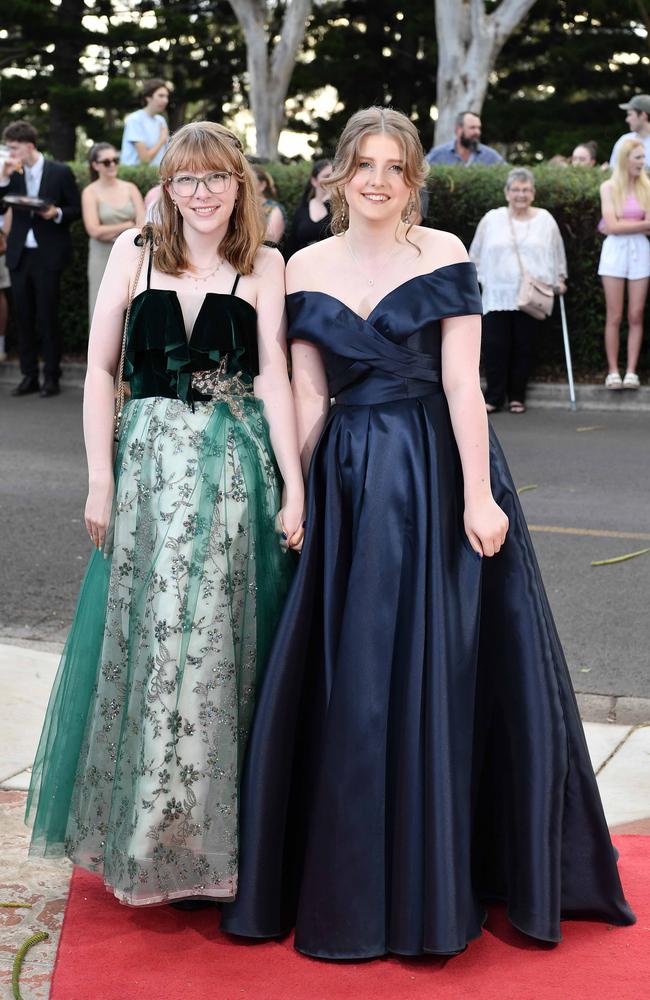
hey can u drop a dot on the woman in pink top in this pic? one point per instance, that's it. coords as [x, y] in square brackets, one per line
[625, 258]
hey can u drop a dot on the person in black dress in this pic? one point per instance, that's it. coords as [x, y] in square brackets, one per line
[312, 218]
[416, 749]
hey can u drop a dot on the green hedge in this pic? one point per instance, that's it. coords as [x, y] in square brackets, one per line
[458, 199]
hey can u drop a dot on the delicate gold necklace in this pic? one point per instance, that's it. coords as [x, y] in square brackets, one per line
[370, 280]
[202, 278]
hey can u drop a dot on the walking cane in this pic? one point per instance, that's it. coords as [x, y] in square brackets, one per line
[567, 355]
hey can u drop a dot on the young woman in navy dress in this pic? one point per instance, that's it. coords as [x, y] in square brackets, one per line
[416, 749]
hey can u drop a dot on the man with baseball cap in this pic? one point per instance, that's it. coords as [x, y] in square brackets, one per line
[638, 118]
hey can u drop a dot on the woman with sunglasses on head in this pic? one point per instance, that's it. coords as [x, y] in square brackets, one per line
[416, 749]
[137, 772]
[109, 206]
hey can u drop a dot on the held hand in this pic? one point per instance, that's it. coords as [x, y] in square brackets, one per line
[48, 213]
[290, 523]
[486, 526]
[560, 288]
[98, 511]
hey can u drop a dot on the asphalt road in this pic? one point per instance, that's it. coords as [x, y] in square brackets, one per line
[591, 473]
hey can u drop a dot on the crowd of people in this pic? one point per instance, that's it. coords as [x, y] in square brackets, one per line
[510, 244]
[323, 743]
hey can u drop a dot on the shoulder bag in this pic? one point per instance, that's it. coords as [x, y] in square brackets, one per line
[535, 297]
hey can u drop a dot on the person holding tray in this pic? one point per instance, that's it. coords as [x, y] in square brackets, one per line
[45, 200]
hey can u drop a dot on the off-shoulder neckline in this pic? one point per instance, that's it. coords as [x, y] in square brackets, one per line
[397, 288]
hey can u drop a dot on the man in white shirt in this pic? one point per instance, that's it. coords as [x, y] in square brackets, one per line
[146, 134]
[38, 249]
[638, 118]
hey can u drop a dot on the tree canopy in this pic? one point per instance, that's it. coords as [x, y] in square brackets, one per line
[558, 79]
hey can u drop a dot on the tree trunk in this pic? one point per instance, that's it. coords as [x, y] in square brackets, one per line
[270, 68]
[65, 89]
[469, 43]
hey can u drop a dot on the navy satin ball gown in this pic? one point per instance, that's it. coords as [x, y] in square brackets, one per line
[416, 749]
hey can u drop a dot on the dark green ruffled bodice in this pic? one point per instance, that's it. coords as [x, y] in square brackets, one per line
[159, 357]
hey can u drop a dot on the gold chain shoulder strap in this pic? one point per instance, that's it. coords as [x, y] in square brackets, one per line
[119, 377]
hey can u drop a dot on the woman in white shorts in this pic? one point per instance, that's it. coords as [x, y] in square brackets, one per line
[625, 258]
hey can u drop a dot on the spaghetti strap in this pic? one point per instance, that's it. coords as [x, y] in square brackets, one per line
[149, 264]
[234, 287]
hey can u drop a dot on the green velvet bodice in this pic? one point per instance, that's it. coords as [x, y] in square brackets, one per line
[160, 358]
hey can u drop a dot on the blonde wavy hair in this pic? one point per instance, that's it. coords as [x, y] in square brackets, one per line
[621, 180]
[203, 147]
[374, 121]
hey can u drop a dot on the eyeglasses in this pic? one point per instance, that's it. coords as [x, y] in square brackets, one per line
[112, 161]
[186, 185]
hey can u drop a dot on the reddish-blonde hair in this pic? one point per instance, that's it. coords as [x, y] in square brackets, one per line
[374, 121]
[202, 147]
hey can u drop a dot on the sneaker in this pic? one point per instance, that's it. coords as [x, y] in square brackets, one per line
[613, 381]
[631, 381]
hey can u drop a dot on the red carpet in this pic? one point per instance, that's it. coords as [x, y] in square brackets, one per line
[112, 952]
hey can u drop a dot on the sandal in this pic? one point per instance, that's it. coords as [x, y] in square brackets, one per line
[489, 408]
[613, 381]
[631, 381]
[516, 407]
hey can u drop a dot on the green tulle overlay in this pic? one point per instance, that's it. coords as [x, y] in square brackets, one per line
[137, 771]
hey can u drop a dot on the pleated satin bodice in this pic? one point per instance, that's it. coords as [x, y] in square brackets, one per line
[160, 358]
[395, 352]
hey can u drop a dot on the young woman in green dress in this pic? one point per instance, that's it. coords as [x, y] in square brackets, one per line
[136, 776]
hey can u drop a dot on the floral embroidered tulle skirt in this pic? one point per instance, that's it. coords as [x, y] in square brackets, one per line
[137, 771]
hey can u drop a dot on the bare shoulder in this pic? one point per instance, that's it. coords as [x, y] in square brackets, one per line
[606, 186]
[310, 262]
[269, 264]
[439, 247]
[90, 191]
[125, 248]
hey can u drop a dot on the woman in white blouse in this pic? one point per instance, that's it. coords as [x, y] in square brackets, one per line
[508, 333]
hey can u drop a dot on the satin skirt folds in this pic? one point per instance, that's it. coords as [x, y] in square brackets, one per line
[138, 767]
[416, 749]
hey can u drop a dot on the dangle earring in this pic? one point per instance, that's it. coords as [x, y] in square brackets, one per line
[176, 214]
[408, 212]
[345, 218]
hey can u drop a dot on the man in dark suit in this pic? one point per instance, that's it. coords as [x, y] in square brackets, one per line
[38, 248]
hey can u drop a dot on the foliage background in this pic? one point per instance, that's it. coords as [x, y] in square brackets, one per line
[458, 198]
[74, 65]
[74, 68]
